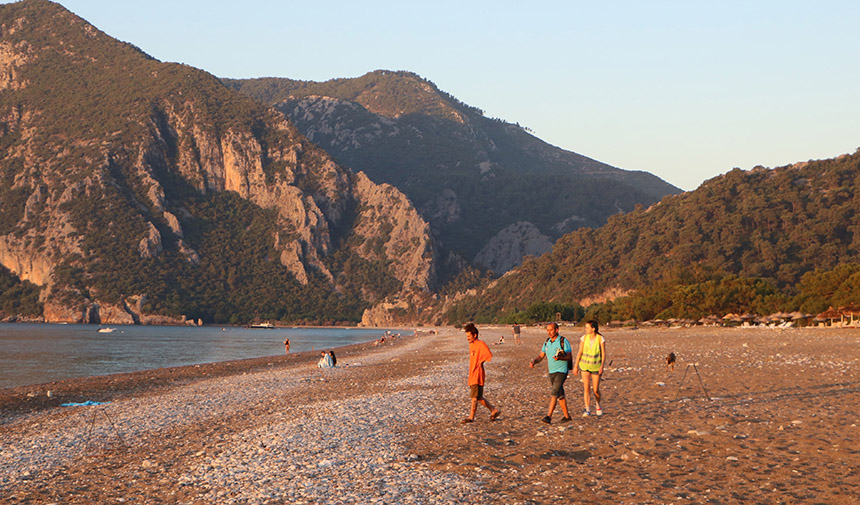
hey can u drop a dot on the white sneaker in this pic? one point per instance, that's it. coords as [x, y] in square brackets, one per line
[586, 413]
[599, 411]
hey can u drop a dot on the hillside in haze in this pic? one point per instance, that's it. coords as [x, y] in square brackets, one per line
[139, 191]
[765, 230]
[492, 192]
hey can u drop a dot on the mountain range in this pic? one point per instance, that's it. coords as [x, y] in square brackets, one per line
[491, 191]
[137, 191]
[140, 191]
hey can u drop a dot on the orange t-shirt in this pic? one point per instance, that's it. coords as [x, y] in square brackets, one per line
[478, 354]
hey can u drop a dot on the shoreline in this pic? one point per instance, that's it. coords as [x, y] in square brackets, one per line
[769, 428]
[32, 398]
[130, 359]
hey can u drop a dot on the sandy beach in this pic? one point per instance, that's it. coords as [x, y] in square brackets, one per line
[774, 419]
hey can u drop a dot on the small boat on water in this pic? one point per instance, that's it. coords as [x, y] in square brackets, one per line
[106, 330]
[264, 326]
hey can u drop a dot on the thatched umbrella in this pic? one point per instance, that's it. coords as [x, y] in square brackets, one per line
[829, 314]
[850, 311]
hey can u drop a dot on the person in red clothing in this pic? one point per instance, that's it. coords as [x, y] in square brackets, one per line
[479, 353]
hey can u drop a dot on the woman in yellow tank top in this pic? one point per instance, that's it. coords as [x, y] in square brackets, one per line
[589, 360]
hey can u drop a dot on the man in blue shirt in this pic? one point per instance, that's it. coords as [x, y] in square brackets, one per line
[558, 352]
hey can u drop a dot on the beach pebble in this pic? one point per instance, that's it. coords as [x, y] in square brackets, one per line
[298, 456]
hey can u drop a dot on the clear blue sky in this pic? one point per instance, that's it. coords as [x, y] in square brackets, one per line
[683, 89]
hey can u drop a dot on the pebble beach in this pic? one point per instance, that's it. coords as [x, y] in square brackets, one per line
[748, 415]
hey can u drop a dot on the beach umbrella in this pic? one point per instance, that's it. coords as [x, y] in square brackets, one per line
[829, 314]
[850, 310]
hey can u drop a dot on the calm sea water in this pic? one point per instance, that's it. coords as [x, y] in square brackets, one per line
[39, 353]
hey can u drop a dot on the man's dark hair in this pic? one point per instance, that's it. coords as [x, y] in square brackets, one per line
[470, 328]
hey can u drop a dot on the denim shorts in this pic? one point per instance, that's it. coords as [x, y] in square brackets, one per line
[556, 381]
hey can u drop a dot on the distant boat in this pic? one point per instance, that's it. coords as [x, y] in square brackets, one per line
[106, 330]
[265, 326]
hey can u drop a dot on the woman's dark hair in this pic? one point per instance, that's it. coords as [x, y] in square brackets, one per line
[594, 325]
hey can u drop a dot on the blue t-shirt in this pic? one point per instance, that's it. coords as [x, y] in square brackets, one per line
[550, 348]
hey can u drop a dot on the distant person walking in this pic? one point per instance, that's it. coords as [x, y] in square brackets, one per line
[589, 360]
[558, 365]
[517, 334]
[479, 353]
[287, 346]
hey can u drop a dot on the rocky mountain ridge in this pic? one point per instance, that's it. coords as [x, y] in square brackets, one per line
[110, 159]
[475, 179]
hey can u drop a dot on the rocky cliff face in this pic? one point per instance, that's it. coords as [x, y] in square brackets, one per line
[471, 177]
[507, 249]
[113, 165]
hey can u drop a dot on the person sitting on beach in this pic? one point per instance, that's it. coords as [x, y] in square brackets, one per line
[333, 358]
[325, 361]
[500, 341]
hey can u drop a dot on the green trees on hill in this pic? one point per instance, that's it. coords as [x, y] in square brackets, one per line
[239, 276]
[17, 297]
[747, 241]
[396, 93]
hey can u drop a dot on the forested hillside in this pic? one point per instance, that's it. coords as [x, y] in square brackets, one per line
[742, 241]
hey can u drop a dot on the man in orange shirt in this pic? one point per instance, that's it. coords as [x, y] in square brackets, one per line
[479, 352]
